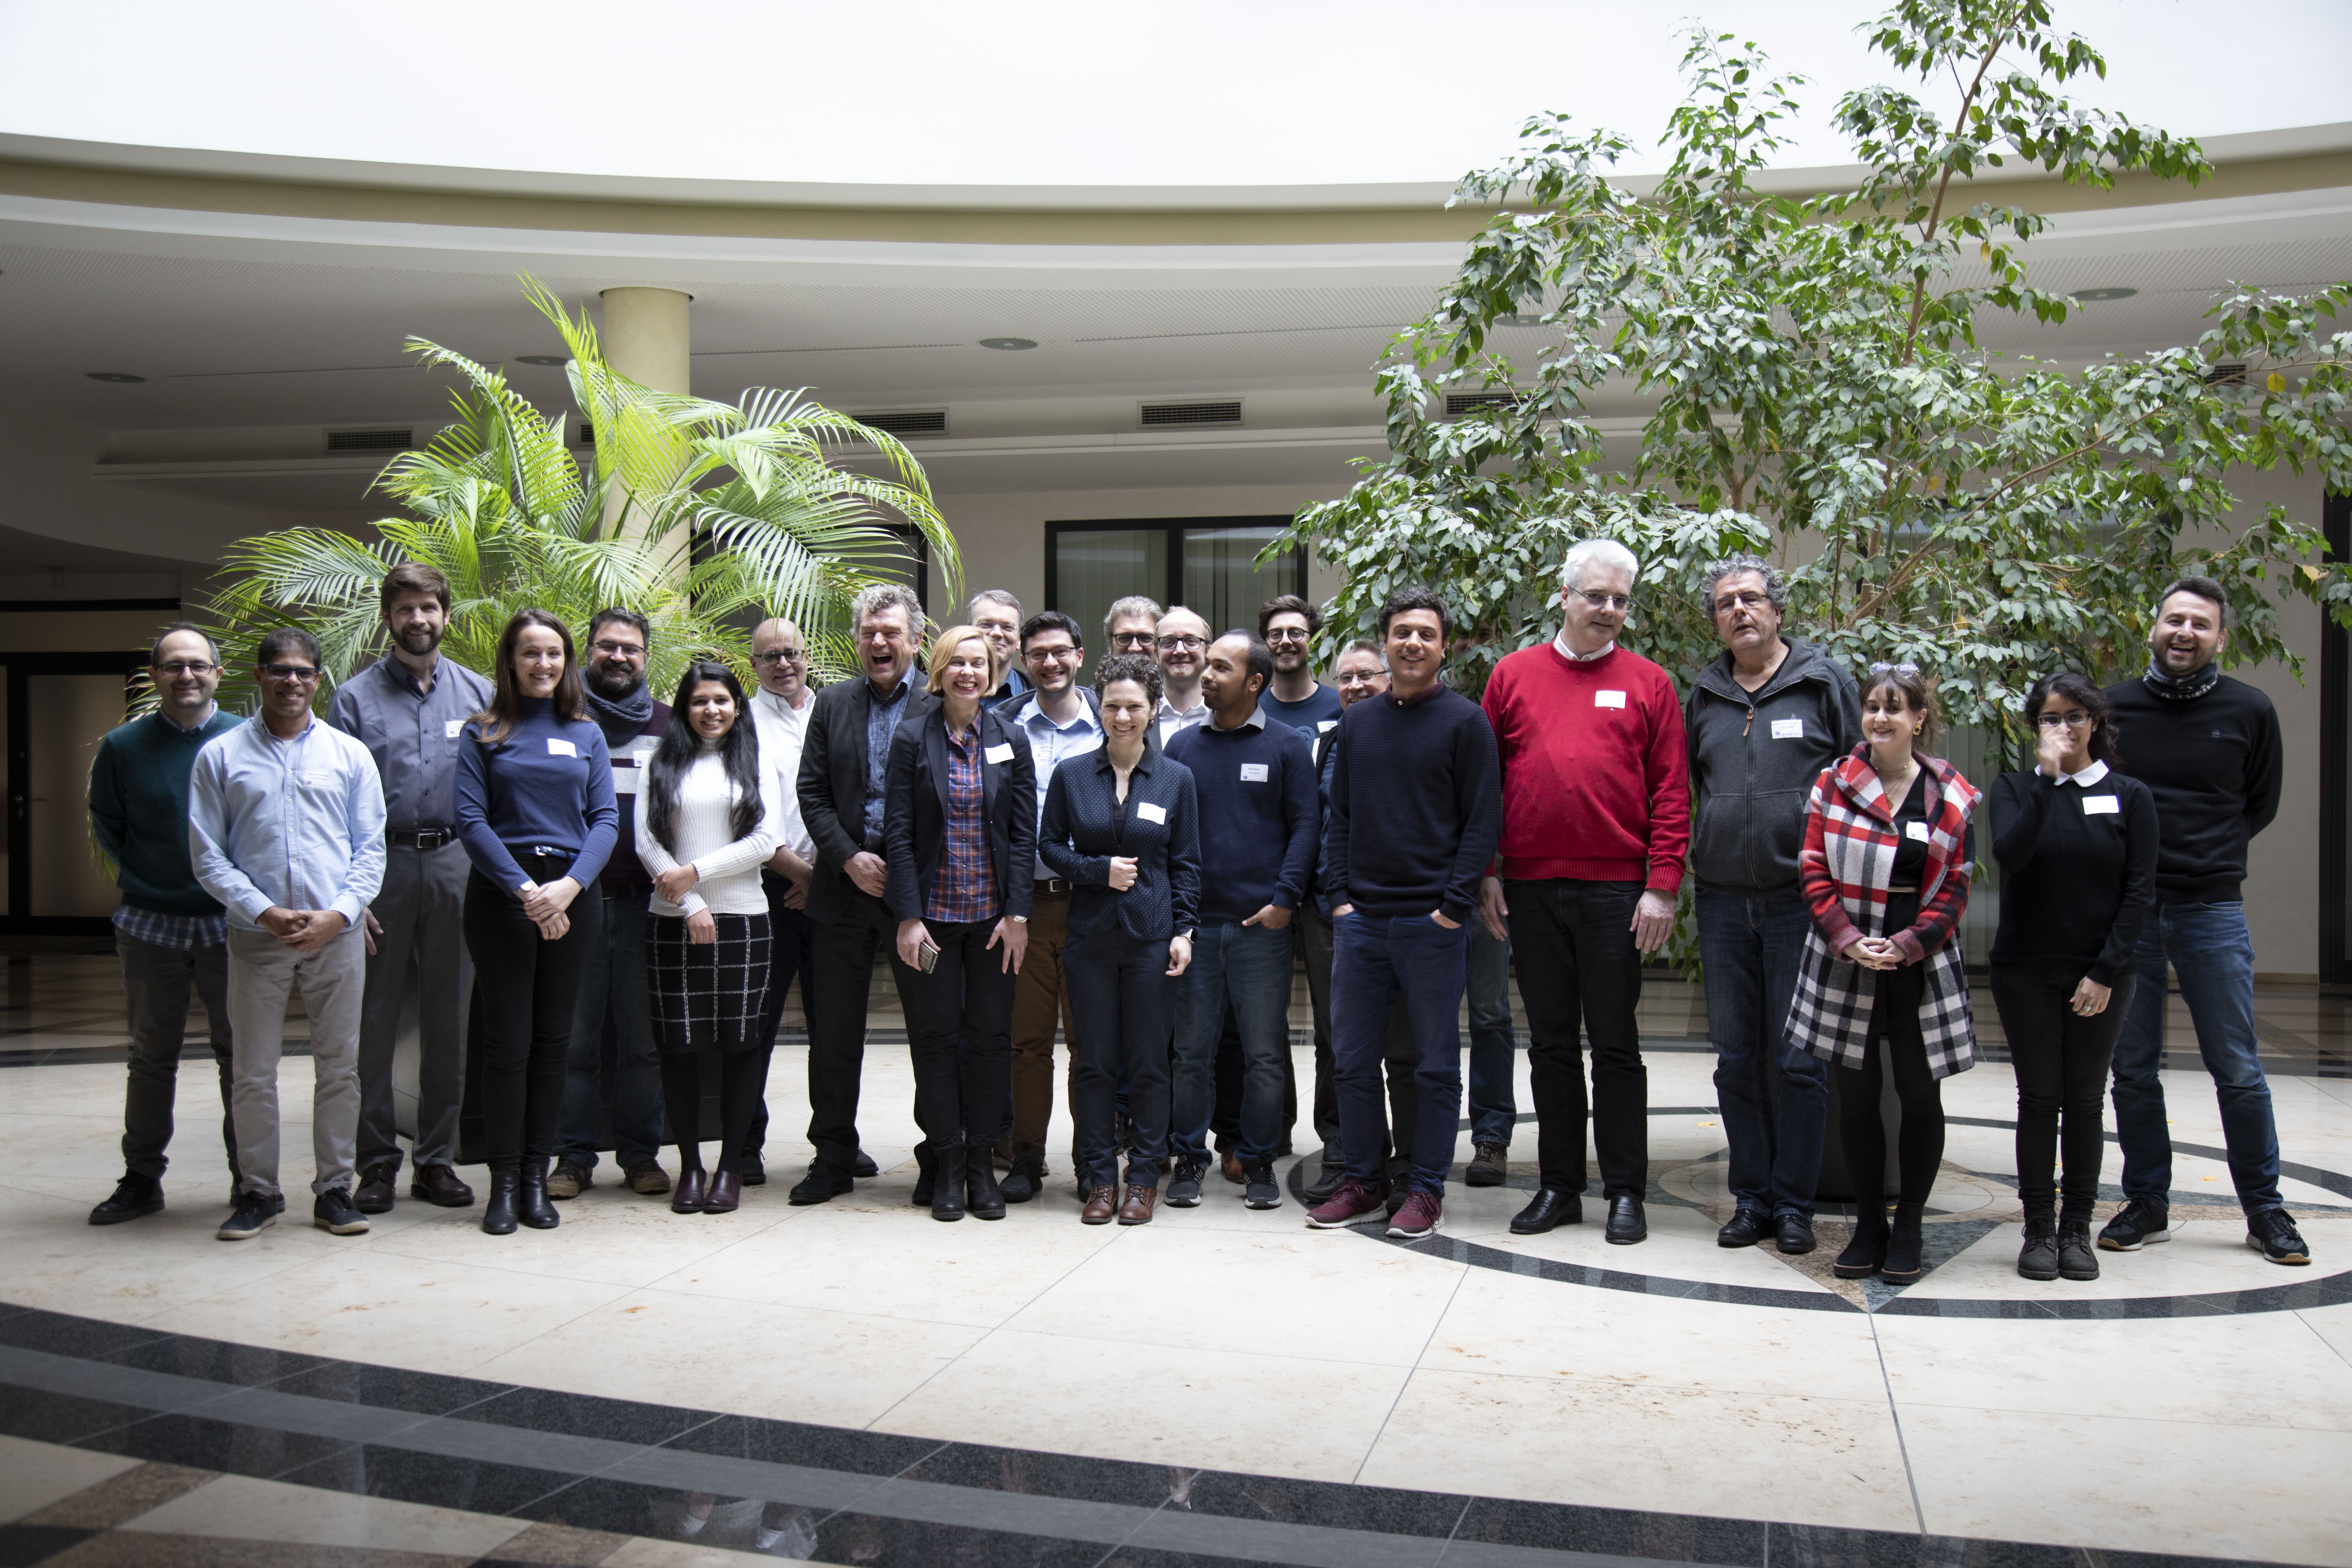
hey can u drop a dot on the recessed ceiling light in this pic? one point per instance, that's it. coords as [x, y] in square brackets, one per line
[1008, 342]
[2105, 293]
[540, 359]
[122, 376]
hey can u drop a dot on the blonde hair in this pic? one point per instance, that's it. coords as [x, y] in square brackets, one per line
[943, 647]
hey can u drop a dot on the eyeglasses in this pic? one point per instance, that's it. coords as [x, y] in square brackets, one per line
[1130, 642]
[1287, 634]
[2071, 721]
[300, 674]
[1741, 601]
[776, 655]
[612, 649]
[1061, 653]
[1620, 602]
[1360, 677]
[1173, 643]
[1893, 669]
[179, 666]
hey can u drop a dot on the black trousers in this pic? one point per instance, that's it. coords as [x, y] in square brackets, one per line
[841, 969]
[960, 1033]
[530, 987]
[156, 981]
[793, 935]
[1123, 1005]
[2061, 1060]
[1895, 1045]
[1573, 945]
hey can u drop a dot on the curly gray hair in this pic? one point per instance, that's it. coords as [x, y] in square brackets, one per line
[882, 596]
[1776, 587]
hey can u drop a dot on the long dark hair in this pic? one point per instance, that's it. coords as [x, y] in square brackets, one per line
[505, 711]
[681, 745]
[2078, 688]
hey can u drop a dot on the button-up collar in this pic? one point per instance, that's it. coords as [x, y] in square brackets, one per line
[2086, 777]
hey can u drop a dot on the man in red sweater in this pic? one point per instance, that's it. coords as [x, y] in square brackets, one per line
[1596, 819]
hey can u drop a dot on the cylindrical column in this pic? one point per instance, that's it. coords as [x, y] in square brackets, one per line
[646, 337]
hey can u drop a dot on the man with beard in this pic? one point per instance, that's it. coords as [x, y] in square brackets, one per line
[613, 1001]
[408, 710]
[1287, 625]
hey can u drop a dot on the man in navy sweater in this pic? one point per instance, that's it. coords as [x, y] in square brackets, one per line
[1416, 812]
[1256, 792]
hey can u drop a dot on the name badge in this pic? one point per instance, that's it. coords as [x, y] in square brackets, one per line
[998, 754]
[644, 753]
[1150, 812]
[1326, 724]
[626, 779]
[318, 779]
[2100, 805]
[453, 728]
[557, 748]
[1609, 700]
[1917, 830]
[1253, 772]
[1788, 729]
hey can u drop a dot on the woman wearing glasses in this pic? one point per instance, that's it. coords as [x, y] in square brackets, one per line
[2076, 844]
[708, 817]
[1882, 989]
[536, 815]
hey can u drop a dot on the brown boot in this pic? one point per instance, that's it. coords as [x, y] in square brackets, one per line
[1140, 1201]
[1101, 1204]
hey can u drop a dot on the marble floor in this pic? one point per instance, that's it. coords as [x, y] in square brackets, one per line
[854, 1383]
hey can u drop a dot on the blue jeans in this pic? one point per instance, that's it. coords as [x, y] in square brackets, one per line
[1750, 947]
[2214, 957]
[613, 987]
[1247, 967]
[1494, 1102]
[1374, 959]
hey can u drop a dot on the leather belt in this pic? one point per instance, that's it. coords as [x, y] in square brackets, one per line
[1052, 885]
[422, 837]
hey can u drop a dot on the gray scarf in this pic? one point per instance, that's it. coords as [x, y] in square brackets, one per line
[2187, 689]
[623, 720]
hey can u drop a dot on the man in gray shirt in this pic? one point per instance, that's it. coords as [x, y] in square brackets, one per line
[408, 710]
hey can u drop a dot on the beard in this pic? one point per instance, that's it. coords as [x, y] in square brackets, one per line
[421, 638]
[613, 682]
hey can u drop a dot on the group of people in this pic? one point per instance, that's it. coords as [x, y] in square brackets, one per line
[631, 887]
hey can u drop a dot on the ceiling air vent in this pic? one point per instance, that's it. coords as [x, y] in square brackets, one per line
[587, 435]
[2226, 375]
[399, 440]
[1157, 416]
[906, 422]
[1457, 403]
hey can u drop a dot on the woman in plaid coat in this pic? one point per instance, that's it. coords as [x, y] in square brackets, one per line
[1888, 845]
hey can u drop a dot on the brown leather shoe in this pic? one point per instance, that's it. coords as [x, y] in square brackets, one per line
[439, 1185]
[646, 1176]
[1101, 1204]
[1140, 1201]
[726, 1192]
[374, 1195]
[1234, 1173]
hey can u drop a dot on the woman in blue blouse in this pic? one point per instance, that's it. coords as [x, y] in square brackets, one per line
[535, 813]
[1122, 825]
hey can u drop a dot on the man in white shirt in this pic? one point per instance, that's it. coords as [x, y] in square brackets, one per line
[1181, 645]
[779, 712]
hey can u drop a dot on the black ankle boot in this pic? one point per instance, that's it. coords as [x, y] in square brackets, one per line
[1027, 1178]
[530, 1199]
[498, 1215]
[927, 1175]
[948, 1181]
[983, 1195]
[1867, 1250]
[1902, 1265]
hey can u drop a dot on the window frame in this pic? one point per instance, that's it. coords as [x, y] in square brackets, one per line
[1170, 592]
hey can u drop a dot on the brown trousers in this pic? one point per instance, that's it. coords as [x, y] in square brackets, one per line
[1041, 996]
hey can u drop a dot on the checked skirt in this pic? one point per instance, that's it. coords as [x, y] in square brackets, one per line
[709, 997]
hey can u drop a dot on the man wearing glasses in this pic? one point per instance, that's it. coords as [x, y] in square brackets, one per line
[613, 1002]
[285, 828]
[408, 710]
[1287, 625]
[1132, 625]
[997, 613]
[780, 715]
[1182, 646]
[1596, 819]
[169, 931]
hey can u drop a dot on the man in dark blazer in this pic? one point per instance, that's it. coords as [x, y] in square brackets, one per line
[842, 760]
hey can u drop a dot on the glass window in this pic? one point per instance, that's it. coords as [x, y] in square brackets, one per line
[1208, 564]
[1222, 583]
[1096, 567]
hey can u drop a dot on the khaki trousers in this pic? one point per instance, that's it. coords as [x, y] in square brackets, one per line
[262, 971]
[1041, 996]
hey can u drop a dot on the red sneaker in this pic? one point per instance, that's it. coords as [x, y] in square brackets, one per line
[1350, 1201]
[1418, 1218]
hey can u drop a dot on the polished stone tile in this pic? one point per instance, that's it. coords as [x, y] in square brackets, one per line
[1027, 1473]
[242, 1507]
[131, 1273]
[912, 1543]
[559, 1544]
[215, 1361]
[445, 1480]
[609, 1237]
[1388, 1511]
[641, 1552]
[821, 1447]
[33, 1476]
[2207, 1256]
[1615, 1533]
[200, 1444]
[389, 1388]
[2333, 1327]
[65, 1333]
[50, 1418]
[604, 1503]
[586, 1415]
[120, 1548]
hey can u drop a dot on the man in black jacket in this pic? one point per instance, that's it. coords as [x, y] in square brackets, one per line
[842, 766]
[1763, 722]
[2208, 748]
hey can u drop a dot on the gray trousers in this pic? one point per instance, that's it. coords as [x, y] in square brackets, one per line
[262, 973]
[421, 908]
[155, 983]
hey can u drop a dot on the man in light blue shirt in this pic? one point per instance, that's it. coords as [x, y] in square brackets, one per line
[285, 828]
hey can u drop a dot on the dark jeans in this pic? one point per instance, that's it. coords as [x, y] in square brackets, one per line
[1895, 1044]
[421, 910]
[1494, 1098]
[155, 985]
[1373, 960]
[1750, 946]
[530, 990]
[2061, 1059]
[842, 960]
[1246, 968]
[2210, 950]
[613, 1006]
[960, 1033]
[792, 951]
[1578, 964]
[1121, 1000]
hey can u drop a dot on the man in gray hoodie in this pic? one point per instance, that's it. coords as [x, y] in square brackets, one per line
[1763, 722]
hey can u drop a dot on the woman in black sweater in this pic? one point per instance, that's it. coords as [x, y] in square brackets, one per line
[2077, 842]
[1123, 825]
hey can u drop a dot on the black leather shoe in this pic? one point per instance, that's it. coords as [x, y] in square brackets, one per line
[1796, 1236]
[754, 1172]
[498, 1214]
[532, 1206]
[1027, 1177]
[1747, 1227]
[134, 1195]
[863, 1166]
[823, 1184]
[927, 1175]
[946, 1186]
[439, 1185]
[692, 1193]
[1626, 1224]
[982, 1194]
[376, 1187]
[1551, 1207]
[1326, 1182]
[1903, 1265]
[1867, 1248]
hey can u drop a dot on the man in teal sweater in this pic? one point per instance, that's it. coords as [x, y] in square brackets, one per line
[169, 931]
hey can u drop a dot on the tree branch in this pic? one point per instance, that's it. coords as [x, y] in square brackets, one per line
[1936, 211]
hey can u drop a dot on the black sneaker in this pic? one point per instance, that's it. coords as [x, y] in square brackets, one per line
[754, 1172]
[2140, 1223]
[2271, 1232]
[2077, 1258]
[1258, 1190]
[253, 1211]
[1185, 1184]
[2038, 1258]
[134, 1195]
[335, 1214]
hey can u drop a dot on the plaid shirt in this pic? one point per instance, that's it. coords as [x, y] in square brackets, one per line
[1846, 866]
[178, 933]
[965, 891]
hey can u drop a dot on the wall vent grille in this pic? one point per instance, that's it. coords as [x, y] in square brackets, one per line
[2226, 375]
[1160, 415]
[1458, 404]
[908, 422]
[587, 435]
[399, 440]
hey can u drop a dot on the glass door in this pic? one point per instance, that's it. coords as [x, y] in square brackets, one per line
[57, 707]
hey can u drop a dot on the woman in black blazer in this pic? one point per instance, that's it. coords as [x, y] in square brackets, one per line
[1123, 826]
[959, 827]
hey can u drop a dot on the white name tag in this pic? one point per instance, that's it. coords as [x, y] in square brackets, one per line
[626, 779]
[2100, 805]
[1253, 772]
[453, 728]
[318, 779]
[1326, 724]
[556, 748]
[644, 753]
[998, 753]
[1609, 700]
[1788, 729]
[1917, 830]
[1150, 812]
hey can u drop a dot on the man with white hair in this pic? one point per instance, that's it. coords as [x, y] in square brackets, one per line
[997, 613]
[1596, 819]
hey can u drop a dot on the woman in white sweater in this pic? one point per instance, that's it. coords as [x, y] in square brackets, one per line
[707, 818]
